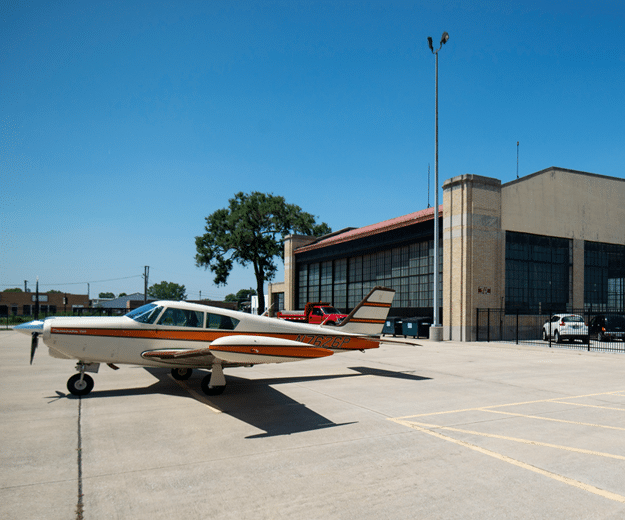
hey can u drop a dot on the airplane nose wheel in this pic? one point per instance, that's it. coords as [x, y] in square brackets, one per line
[80, 384]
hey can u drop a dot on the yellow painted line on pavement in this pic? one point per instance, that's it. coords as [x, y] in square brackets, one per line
[595, 406]
[483, 408]
[543, 418]
[560, 478]
[516, 439]
[197, 396]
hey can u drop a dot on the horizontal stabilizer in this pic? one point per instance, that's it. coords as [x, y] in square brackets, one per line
[369, 315]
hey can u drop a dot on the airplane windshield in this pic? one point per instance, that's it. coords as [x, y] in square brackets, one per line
[146, 313]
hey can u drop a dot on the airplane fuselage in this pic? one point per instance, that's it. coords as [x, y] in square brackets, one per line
[122, 340]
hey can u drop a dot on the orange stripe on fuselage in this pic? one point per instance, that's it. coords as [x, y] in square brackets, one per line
[328, 341]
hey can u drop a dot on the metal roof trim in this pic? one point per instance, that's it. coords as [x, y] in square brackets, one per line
[374, 229]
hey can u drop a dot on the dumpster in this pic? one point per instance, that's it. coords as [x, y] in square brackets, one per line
[416, 327]
[392, 325]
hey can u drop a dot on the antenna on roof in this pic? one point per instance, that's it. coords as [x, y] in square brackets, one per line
[428, 185]
[517, 159]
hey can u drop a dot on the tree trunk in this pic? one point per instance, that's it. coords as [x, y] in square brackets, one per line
[260, 282]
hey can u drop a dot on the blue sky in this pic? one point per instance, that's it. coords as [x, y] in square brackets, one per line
[125, 123]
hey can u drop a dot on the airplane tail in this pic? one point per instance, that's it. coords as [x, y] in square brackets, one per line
[369, 315]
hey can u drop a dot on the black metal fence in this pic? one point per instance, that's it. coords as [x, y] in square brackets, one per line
[537, 329]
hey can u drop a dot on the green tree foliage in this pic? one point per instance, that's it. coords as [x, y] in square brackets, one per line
[106, 295]
[251, 230]
[167, 291]
[15, 289]
[122, 294]
[241, 296]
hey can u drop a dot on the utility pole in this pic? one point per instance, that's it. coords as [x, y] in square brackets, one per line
[517, 159]
[37, 300]
[146, 274]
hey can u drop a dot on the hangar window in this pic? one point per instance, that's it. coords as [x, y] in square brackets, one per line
[346, 281]
[538, 275]
[604, 276]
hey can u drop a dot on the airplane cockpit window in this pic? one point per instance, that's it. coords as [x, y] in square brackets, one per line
[217, 321]
[182, 318]
[146, 313]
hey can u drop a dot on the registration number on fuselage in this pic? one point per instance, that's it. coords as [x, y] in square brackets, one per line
[324, 341]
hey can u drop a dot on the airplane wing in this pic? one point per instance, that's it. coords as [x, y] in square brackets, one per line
[240, 350]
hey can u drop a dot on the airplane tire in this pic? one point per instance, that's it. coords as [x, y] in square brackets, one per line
[211, 390]
[181, 374]
[78, 387]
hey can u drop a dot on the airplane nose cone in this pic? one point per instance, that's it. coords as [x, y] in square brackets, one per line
[30, 327]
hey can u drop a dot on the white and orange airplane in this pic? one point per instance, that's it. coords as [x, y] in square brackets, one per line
[183, 336]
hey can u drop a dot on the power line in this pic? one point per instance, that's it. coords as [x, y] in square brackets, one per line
[77, 283]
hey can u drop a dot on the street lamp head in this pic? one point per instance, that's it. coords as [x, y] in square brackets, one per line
[444, 38]
[430, 43]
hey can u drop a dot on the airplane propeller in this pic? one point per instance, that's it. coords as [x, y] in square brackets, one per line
[33, 346]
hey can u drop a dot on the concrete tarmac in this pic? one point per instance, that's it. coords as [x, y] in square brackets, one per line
[435, 430]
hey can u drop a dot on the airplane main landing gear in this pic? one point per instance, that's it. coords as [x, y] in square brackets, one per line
[215, 382]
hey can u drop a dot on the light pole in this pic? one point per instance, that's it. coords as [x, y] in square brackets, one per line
[436, 334]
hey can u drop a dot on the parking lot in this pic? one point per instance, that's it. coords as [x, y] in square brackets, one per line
[429, 430]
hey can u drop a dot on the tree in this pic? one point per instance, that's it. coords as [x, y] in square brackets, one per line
[167, 291]
[251, 230]
[15, 289]
[241, 296]
[106, 295]
[122, 294]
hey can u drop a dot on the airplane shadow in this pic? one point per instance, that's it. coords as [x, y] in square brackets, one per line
[253, 401]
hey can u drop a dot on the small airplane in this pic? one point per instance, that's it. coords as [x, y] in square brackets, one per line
[183, 336]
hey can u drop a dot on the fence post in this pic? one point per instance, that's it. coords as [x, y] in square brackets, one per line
[477, 325]
[517, 326]
[550, 331]
[488, 326]
[587, 319]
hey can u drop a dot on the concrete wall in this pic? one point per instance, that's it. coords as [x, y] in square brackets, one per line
[566, 203]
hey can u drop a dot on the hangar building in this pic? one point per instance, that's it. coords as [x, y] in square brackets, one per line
[551, 241]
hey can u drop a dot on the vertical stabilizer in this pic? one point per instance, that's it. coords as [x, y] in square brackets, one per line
[369, 315]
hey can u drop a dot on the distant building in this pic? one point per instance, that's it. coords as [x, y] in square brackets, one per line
[123, 302]
[23, 303]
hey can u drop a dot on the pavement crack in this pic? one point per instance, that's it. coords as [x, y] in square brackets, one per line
[79, 503]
